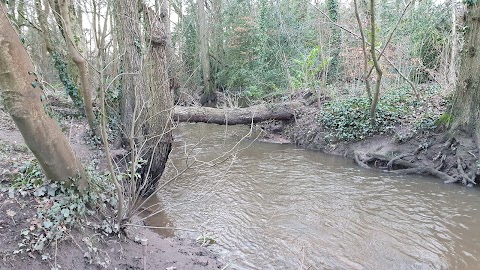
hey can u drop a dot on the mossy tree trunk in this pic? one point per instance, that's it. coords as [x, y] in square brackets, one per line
[335, 41]
[466, 104]
[22, 99]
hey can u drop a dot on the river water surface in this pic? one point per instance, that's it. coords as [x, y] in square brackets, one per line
[276, 206]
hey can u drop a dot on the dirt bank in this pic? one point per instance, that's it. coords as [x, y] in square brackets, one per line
[451, 156]
[85, 248]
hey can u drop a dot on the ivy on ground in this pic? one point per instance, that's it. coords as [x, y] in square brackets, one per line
[349, 119]
[61, 208]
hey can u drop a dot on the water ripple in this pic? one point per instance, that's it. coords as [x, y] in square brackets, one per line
[278, 207]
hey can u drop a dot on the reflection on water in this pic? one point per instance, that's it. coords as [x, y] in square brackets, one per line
[280, 207]
[152, 212]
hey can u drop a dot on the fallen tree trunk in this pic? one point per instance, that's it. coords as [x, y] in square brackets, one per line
[236, 116]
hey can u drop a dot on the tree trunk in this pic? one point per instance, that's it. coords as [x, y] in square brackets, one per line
[452, 76]
[364, 50]
[147, 101]
[376, 64]
[236, 116]
[43, 10]
[466, 105]
[203, 44]
[23, 101]
[335, 41]
[156, 124]
[81, 63]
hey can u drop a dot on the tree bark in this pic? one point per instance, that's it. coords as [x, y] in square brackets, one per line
[156, 122]
[336, 41]
[81, 64]
[42, 8]
[203, 44]
[376, 64]
[364, 50]
[23, 101]
[466, 105]
[236, 116]
[147, 101]
[452, 76]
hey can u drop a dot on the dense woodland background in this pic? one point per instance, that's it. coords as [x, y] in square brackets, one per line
[262, 49]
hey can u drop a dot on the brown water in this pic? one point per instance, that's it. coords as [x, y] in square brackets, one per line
[279, 207]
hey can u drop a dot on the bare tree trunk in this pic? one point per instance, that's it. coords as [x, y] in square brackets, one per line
[333, 7]
[203, 44]
[366, 74]
[156, 123]
[466, 104]
[22, 98]
[376, 64]
[146, 97]
[81, 63]
[452, 76]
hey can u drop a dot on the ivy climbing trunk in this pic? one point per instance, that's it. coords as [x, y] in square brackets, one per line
[335, 41]
[81, 64]
[466, 104]
[42, 8]
[22, 98]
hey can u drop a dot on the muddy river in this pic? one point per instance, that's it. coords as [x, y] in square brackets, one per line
[271, 206]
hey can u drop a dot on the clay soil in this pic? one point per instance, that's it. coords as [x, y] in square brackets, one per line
[86, 248]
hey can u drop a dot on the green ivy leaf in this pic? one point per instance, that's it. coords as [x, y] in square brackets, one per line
[47, 224]
[65, 212]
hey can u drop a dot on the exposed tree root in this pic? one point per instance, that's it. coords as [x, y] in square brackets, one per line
[464, 177]
[392, 161]
[411, 168]
[359, 161]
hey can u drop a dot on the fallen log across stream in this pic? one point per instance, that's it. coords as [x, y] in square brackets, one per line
[236, 116]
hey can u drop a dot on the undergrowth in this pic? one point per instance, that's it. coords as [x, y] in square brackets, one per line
[61, 208]
[349, 119]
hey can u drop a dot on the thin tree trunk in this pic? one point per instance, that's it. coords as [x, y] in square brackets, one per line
[376, 64]
[71, 88]
[81, 64]
[22, 99]
[364, 50]
[336, 41]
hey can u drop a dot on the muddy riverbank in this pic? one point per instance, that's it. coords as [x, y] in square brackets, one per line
[451, 156]
[85, 247]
